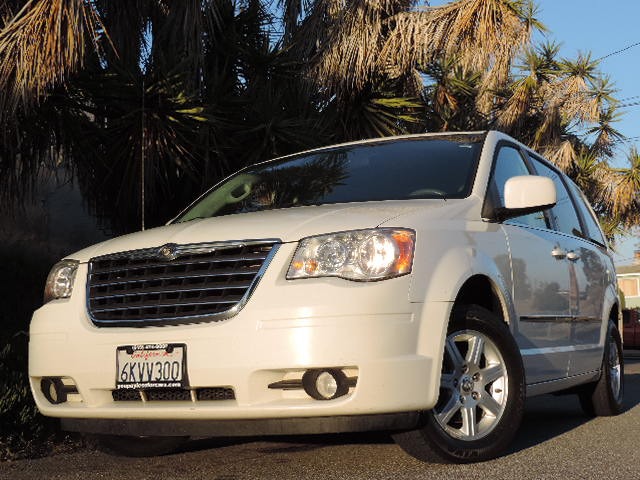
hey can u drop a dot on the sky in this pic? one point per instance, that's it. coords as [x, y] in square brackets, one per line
[602, 28]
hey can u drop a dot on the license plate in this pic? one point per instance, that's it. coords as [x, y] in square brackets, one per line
[160, 365]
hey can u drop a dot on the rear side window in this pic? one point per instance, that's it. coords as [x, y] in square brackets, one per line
[564, 213]
[591, 224]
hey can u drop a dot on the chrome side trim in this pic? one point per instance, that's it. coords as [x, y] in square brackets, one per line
[561, 383]
[559, 319]
[567, 349]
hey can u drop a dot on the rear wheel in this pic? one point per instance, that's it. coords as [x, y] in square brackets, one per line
[482, 392]
[604, 397]
[130, 446]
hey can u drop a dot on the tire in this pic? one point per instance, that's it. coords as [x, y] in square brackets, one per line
[604, 397]
[482, 392]
[130, 446]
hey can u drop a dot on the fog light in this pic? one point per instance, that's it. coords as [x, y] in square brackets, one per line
[325, 384]
[55, 391]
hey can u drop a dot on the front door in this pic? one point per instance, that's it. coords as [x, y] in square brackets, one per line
[540, 278]
[542, 296]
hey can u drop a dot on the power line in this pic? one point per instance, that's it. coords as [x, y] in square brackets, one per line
[630, 139]
[626, 99]
[617, 51]
[629, 104]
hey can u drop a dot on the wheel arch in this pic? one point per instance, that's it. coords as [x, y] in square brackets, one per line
[480, 290]
[611, 311]
[615, 315]
[476, 289]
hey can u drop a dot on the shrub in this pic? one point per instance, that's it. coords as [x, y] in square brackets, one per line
[23, 431]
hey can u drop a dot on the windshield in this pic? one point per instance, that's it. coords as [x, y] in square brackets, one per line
[435, 167]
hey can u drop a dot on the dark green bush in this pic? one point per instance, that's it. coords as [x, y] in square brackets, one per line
[23, 431]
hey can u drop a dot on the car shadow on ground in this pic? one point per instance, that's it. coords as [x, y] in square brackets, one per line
[292, 443]
[545, 417]
[549, 416]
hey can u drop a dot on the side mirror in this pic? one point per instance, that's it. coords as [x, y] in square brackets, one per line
[527, 194]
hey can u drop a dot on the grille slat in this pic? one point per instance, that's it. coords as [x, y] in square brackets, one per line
[173, 277]
[237, 258]
[140, 305]
[159, 291]
[175, 283]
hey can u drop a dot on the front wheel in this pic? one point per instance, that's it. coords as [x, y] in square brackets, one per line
[482, 391]
[604, 397]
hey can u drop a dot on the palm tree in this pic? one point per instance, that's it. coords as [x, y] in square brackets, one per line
[147, 102]
[359, 51]
[138, 98]
[623, 191]
[450, 93]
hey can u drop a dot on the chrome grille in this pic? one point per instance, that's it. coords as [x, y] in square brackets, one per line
[175, 283]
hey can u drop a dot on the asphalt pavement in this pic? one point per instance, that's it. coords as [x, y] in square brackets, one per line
[556, 441]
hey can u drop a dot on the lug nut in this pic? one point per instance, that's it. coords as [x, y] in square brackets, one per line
[475, 395]
[461, 399]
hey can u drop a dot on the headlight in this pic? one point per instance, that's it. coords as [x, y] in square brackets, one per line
[60, 280]
[362, 255]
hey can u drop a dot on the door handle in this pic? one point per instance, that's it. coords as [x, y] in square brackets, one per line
[573, 256]
[558, 253]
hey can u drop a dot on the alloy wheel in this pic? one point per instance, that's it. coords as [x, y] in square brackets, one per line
[473, 386]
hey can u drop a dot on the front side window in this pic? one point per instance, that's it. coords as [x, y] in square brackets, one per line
[509, 163]
[440, 167]
[564, 214]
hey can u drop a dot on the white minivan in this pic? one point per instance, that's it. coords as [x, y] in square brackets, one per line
[424, 285]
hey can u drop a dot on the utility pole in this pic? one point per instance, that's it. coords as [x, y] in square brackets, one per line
[142, 161]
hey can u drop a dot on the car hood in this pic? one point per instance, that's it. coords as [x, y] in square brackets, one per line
[287, 225]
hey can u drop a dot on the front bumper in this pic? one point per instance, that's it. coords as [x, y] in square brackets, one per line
[372, 331]
[376, 349]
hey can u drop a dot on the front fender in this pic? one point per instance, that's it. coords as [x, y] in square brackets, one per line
[446, 260]
[444, 263]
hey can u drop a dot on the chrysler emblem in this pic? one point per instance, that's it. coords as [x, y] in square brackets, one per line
[168, 252]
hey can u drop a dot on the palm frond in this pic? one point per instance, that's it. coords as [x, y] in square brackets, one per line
[127, 22]
[601, 96]
[6, 13]
[606, 134]
[294, 11]
[563, 155]
[485, 34]
[41, 46]
[512, 116]
[350, 57]
[576, 85]
[372, 115]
